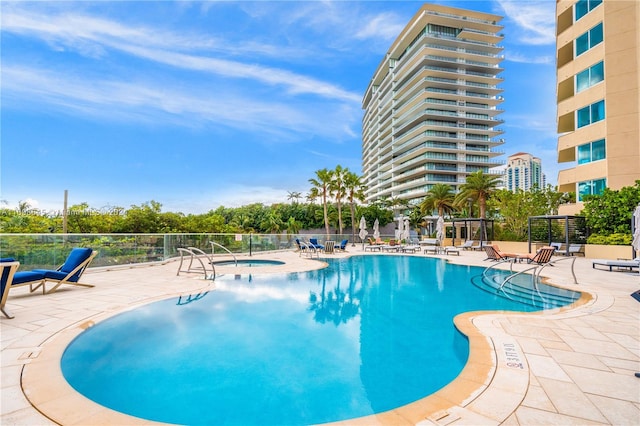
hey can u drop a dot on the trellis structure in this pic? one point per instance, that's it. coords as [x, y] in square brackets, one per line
[472, 229]
[559, 229]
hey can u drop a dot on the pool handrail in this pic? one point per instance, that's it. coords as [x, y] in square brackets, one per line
[196, 253]
[213, 244]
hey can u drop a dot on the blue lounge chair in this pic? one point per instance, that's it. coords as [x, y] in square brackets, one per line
[343, 245]
[69, 272]
[315, 244]
[9, 277]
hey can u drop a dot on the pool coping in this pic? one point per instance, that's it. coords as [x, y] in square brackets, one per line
[496, 370]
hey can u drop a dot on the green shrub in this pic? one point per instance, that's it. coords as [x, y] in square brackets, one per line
[610, 239]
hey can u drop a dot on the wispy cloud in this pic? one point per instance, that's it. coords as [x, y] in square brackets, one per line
[93, 36]
[535, 20]
[522, 58]
[145, 101]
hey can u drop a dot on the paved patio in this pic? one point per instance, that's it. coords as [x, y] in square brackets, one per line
[567, 366]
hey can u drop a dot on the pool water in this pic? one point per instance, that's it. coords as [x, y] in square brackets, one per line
[365, 335]
[249, 262]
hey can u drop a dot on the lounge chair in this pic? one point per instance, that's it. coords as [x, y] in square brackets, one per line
[329, 247]
[618, 264]
[313, 242]
[70, 271]
[452, 250]
[9, 277]
[494, 253]
[392, 246]
[342, 246]
[481, 245]
[541, 257]
[467, 245]
[575, 250]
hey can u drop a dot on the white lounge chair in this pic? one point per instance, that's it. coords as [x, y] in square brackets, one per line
[619, 264]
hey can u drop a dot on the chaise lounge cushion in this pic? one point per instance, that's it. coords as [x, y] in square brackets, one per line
[27, 277]
[75, 258]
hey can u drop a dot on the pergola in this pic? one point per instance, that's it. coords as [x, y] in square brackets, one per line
[484, 228]
[571, 229]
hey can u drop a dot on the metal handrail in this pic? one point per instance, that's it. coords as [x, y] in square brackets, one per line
[308, 248]
[499, 262]
[573, 262]
[195, 253]
[213, 243]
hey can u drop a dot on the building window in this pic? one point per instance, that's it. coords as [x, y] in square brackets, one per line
[590, 77]
[592, 151]
[582, 7]
[591, 114]
[591, 187]
[589, 39]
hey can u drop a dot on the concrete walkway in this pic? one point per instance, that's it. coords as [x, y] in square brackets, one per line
[567, 366]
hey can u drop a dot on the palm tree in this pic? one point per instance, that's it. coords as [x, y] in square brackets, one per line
[322, 188]
[441, 198]
[293, 196]
[338, 191]
[479, 186]
[355, 192]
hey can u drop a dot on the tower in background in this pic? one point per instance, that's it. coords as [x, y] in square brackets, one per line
[524, 171]
[431, 108]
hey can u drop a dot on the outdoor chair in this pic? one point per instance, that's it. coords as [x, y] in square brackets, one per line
[9, 277]
[313, 242]
[467, 245]
[329, 247]
[494, 254]
[541, 257]
[343, 245]
[618, 264]
[69, 272]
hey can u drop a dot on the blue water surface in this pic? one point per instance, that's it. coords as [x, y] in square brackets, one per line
[365, 335]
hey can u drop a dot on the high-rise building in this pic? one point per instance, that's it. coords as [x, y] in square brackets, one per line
[431, 107]
[597, 95]
[524, 171]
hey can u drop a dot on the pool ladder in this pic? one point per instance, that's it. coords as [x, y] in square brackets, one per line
[195, 254]
[536, 275]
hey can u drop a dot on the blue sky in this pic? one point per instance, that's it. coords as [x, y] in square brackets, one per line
[202, 104]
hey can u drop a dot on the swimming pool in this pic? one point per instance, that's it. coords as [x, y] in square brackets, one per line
[365, 335]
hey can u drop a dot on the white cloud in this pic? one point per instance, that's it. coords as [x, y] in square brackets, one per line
[535, 19]
[523, 58]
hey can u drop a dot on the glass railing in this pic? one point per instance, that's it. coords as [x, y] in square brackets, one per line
[48, 251]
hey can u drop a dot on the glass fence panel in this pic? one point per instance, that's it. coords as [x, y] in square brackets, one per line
[49, 251]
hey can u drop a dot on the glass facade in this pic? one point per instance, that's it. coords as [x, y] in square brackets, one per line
[591, 38]
[590, 114]
[582, 7]
[590, 77]
[591, 187]
[592, 151]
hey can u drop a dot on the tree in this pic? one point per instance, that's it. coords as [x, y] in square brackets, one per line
[479, 186]
[441, 198]
[338, 191]
[611, 211]
[355, 192]
[293, 196]
[322, 188]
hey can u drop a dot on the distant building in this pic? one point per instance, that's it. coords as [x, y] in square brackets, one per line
[432, 106]
[598, 84]
[524, 171]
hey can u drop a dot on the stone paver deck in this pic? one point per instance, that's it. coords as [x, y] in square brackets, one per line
[572, 365]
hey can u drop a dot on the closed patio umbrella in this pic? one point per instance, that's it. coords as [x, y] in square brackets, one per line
[376, 229]
[636, 232]
[406, 231]
[363, 230]
[440, 230]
